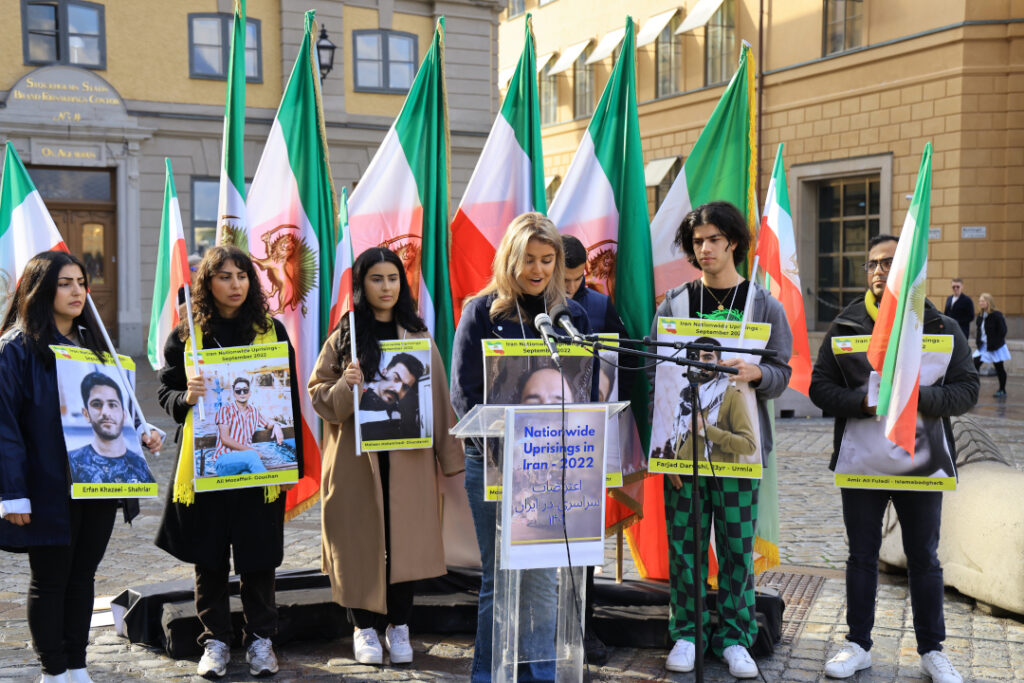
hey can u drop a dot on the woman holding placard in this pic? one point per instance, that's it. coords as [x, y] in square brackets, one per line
[65, 538]
[228, 310]
[381, 508]
[528, 279]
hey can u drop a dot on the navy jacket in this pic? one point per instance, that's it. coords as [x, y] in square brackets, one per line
[33, 457]
[605, 318]
[995, 331]
[962, 312]
[467, 384]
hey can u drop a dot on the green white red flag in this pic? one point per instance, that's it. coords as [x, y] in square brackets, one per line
[341, 289]
[26, 227]
[721, 167]
[292, 219]
[232, 227]
[401, 202]
[776, 249]
[508, 180]
[895, 347]
[172, 273]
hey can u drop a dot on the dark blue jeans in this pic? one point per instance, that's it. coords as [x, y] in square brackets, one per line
[919, 513]
[538, 585]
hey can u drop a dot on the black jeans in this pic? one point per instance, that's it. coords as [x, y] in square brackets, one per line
[214, 608]
[60, 591]
[399, 596]
[920, 513]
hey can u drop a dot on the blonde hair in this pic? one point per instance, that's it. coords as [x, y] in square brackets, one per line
[510, 259]
[991, 302]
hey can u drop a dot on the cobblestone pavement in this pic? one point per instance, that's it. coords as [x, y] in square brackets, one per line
[981, 646]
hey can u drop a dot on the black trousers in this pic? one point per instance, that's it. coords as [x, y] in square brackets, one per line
[61, 587]
[213, 606]
[399, 596]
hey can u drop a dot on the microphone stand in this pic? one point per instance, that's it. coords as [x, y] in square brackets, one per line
[693, 377]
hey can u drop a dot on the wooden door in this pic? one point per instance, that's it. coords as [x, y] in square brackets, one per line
[91, 235]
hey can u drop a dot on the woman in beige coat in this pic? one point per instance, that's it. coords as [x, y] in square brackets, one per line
[381, 511]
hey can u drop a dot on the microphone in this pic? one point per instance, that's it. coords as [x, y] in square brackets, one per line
[560, 314]
[542, 323]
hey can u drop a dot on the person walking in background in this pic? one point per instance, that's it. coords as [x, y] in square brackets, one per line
[959, 307]
[992, 340]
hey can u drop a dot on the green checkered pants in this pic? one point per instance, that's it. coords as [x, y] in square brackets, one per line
[734, 504]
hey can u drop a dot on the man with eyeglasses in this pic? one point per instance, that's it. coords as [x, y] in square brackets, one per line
[236, 424]
[839, 387]
[959, 307]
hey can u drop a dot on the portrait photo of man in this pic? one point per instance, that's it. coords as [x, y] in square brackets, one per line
[389, 408]
[237, 421]
[107, 458]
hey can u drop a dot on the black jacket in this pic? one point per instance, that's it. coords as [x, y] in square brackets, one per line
[838, 388]
[962, 312]
[204, 532]
[995, 331]
[605, 318]
[33, 456]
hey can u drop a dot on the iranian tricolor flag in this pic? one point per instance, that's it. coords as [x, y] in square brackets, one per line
[603, 202]
[26, 227]
[341, 288]
[721, 167]
[231, 221]
[776, 249]
[508, 180]
[292, 220]
[172, 273]
[895, 348]
[401, 202]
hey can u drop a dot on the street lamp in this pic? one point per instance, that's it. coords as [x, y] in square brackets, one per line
[325, 53]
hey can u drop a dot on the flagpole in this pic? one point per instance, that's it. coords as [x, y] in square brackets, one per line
[117, 361]
[192, 341]
[355, 390]
[750, 300]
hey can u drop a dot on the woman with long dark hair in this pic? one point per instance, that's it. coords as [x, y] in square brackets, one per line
[228, 310]
[65, 539]
[528, 279]
[381, 511]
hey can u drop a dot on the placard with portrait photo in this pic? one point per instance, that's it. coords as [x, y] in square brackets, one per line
[396, 410]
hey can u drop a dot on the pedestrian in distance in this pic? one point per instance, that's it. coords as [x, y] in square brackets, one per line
[205, 529]
[840, 389]
[959, 307]
[380, 511]
[991, 339]
[65, 538]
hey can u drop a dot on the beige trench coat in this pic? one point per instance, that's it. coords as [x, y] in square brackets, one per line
[352, 507]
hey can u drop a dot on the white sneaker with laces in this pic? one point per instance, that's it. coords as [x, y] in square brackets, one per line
[366, 646]
[79, 676]
[937, 666]
[261, 658]
[214, 662]
[741, 664]
[50, 678]
[851, 659]
[681, 657]
[396, 638]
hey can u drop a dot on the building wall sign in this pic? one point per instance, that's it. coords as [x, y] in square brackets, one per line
[64, 96]
[972, 232]
[60, 153]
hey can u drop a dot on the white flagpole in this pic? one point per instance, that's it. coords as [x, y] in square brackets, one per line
[192, 341]
[750, 299]
[117, 361]
[355, 389]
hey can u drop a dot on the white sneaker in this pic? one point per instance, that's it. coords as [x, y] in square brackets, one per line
[936, 666]
[79, 676]
[396, 638]
[59, 678]
[851, 659]
[214, 662]
[681, 657]
[741, 664]
[366, 646]
[261, 658]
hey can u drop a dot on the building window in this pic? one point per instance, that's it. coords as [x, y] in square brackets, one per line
[668, 59]
[582, 86]
[516, 7]
[720, 44]
[64, 32]
[209, 47]
[844, 25]
[848, 216]
[205, 199]
[385, 61]
[548, 97]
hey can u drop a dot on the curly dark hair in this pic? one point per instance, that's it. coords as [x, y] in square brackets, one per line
[32, 306]
[253, 313]
[367, 347]
[726, 218]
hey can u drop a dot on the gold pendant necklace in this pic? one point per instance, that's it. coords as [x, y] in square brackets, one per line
[721, 306]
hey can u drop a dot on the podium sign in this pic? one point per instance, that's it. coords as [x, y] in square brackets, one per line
[554, 469]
